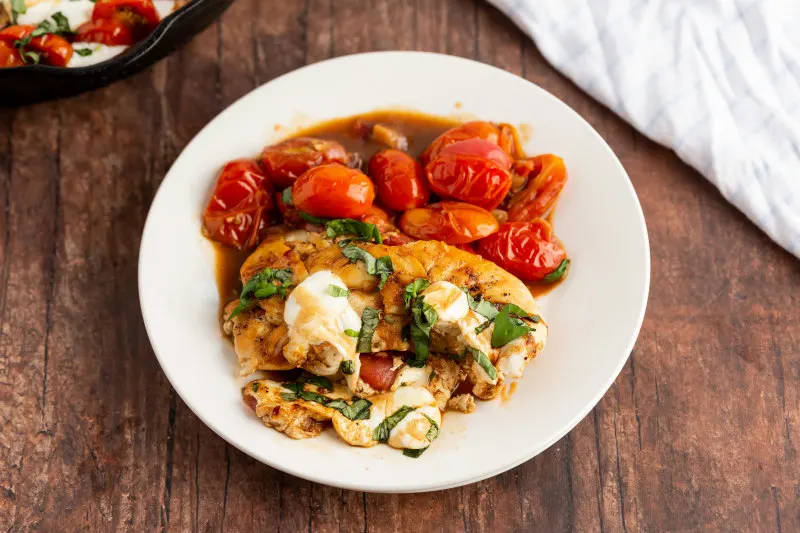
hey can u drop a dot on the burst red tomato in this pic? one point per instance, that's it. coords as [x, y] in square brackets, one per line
[53, 49]
[468, 130]
[547, 177]
[109, 32]
[472, 179]
[286, 161]
[451, 222]
[9, 56]
[480, 148]
[238, 212]
[333, 191]
[529, 250]
[377, 371]
[399, 181]
[140, 16]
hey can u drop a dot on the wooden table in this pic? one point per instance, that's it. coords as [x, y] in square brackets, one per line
[700, 432]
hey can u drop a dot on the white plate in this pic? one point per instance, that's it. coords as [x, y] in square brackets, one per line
[594, 316]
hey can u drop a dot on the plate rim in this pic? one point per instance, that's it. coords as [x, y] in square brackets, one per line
[566, 427]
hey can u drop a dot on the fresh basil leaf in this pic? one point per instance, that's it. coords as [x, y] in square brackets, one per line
[30, 57]
[381, 433]
[255, 386]
[313, 219]
[413, 289]
[83, 52]
[319, 381]
[347, 226]
[337, 404]
[358, 410]
[289, 396]
[381, 267]
[433, 432]
[558, 273]
[262, 286]
[310, 396]
[483, 360]
[479, 305]
[18, 8]
[294, 387]
[414, 453]
[369, 323]
[347, 367]
[351, 332]
[62, 23]
[286, 196]
[482, 327]
[508, 327]
[423, 318]
[337, 291]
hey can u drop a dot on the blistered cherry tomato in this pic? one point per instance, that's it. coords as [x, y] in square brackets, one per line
[399, 181]
[471, 179]
[468, 130]
[286, 161]
[9, 56]
[140, 16]
[109, 32]
[238, 212]
[333, 191]
[480, 148]
[54, 50]
[376, 371]
[451, 222]
[547, 178]
[529, 250]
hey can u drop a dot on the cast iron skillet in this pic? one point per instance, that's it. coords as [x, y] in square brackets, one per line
[35, 83]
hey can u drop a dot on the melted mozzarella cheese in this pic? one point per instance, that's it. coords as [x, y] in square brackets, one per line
[315, 317]
[164, 8]
[516, 355]
[76, 11]
[449, 302]
[100, 53]
[409, 376]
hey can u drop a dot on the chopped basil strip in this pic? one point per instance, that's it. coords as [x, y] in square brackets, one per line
[255, 386]
[483, 360]
[558, 273]
[57, 24]
[319, 381]
[382, 266]
[347, 367]
[508, 326]
[286, 196]
[423, 318]
[351, 332]
[369, 323]
[432, 375]
[381, 433]
[262, 286]
[358, 410]
[433, 432]
[337, 404]
[338, 292]
[17, 8]
[83, 52]
[313, 219]
[482, 327]
[310, 396]
[347, 226]
[479, 305]
[414, 453]
[413, 289]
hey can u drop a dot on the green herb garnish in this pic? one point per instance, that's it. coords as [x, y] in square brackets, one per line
[347, 367]
[255, 386]
[482, 327]
[358, 410]
[414, 453]
[558, 273]
[382, 266]
[423, 318]
[483, 360]
[83, 52]
[286, 197]
[311, 218]
[369, 323]
[320, 381]
[381, 433]
[413, 289]
[262, 285]
[479, 305]
[351, 332]
[347, 226]
[338, 292]
[433, 432]
[508, 326]
[18, 7]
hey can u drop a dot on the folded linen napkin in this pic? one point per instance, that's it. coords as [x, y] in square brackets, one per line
[718, 81]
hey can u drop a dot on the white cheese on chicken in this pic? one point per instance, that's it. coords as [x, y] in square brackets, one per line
[315, 317]
[409, 376]
[77, 12]
[515, 355]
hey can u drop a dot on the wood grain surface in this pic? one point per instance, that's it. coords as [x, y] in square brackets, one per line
[700, 432]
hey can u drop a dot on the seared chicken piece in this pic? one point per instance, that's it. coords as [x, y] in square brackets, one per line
[463, 402]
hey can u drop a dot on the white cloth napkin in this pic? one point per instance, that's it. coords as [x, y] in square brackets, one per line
[718, 81]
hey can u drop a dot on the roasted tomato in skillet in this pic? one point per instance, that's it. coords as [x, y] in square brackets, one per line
[238, 212]
[286, 161]
[399, 181]
[333, 191]
[547, 176]
[9, 56]
[529, 250]
[451, 222]
[109, 32]
[470, 130]
[51, 48]
[138, 15]
[377, 371]
[474, 171]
